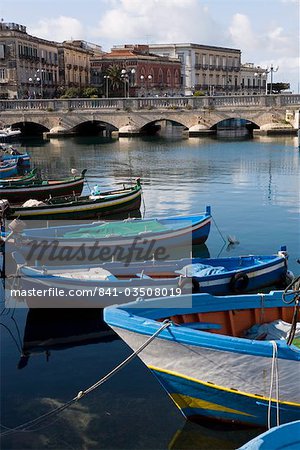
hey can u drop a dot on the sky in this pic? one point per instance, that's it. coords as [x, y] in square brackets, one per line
[266, 31]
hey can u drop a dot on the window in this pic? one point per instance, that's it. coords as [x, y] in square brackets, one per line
[2, 53]
[2, 74]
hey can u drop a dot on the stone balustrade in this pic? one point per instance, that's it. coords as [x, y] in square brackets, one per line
[148, 103]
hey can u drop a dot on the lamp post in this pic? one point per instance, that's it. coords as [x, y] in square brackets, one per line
[270, 70]
[148, 80]
[107, 78]
[127, 78]
[37, 78]
[259, 77]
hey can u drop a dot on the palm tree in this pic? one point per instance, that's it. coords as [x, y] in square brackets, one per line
[114, 73]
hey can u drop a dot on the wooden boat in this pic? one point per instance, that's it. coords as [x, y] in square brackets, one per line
[286, 436]
[74, 207]
[27, 178]
[8, 153]
[42, 189]
[211, 357]
[150, 278]
[8, 169]
[105, 240]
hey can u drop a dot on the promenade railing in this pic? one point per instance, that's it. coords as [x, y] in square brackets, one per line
[142, 103]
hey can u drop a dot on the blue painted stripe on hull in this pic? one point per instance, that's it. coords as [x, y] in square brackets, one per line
[244, 409]
[255, 283]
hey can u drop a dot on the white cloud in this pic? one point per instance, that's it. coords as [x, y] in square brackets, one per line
[160, 21]
[241, 33]
[58, 29]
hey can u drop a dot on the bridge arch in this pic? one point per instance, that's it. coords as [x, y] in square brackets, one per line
[159, 124]
[94, 127]
[235, 122]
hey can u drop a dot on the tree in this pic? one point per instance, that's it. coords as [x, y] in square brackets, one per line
[72, 92]
[89, 92]
[114, 72]
[278, 87]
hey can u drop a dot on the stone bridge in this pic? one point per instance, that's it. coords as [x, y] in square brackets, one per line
[133, 116]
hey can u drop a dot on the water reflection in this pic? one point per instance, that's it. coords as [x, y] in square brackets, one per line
[58, 329]
[208, 436]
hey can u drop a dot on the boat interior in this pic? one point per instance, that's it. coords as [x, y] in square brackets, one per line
[233, 322]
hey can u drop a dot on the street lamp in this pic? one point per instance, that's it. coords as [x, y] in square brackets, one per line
[148, 80]
[37, 78]
[259, 76]
[107, 78]
[270, 70]
[127, 77]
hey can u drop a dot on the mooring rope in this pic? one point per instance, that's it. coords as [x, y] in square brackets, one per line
[293, 289]
[27, 426]
[274, 377]
[218, 229]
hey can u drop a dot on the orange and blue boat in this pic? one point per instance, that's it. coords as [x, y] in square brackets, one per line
[223, 358]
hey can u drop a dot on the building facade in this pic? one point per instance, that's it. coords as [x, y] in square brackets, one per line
[208, 69]
[74, 62]
[253, 79]
[28, 65]
[31, 67]
[141, 72]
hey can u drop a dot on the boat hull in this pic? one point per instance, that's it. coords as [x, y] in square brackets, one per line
[207, 361]
[8, 170]
[85, 246]
[19, 194]
[223, 386]
[281, 437]
[84, 210]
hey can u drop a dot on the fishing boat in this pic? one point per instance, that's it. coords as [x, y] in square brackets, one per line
[150, 278]
[39, 189]
[8, 169]
[83, 207]
[286, 436]
[227, 358]
[107, 240]
[19, 179]
[8, 153]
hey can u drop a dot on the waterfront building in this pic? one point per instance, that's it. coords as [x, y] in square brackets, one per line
[253, 79]
[31, 67]
[74, 62]
[142, 73]
[28, 65]
[208, 69]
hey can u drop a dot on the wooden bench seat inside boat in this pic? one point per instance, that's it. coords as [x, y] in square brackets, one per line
[234, 322]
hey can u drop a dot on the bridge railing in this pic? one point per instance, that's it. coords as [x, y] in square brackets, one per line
[148, 103]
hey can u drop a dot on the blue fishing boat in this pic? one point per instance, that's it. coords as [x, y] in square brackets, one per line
[118, 236]
[229, 358]
[9, 153]
[148, 278]
[286, 436]
[8, 169]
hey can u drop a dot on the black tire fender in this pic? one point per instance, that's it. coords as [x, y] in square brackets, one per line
[239, 282]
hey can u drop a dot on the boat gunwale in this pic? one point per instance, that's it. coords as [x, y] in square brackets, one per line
[139, 317]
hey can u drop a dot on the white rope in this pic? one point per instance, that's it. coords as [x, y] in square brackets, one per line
[274, 376]
[27, 426]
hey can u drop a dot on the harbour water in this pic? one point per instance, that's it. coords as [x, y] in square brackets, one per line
[48, 357]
